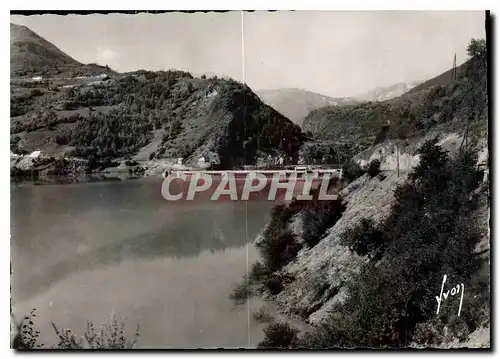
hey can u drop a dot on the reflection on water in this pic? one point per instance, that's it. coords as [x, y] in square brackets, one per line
[83, 250]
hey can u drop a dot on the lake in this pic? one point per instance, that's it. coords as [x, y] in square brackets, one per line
[85, 251]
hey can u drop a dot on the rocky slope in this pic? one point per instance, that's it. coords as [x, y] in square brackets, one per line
[329, 261]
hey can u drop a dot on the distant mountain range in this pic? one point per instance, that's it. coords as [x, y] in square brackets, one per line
[297, 103]
[440, 104]
[380, 94]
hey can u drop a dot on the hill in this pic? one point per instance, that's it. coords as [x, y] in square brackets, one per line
[32, 55]
[28, 50]
[159, 114]
[105, 119]
[386, 93]
[297, 103]
[438, 105]
[444, 79]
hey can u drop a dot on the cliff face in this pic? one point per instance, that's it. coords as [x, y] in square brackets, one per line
[311, 296]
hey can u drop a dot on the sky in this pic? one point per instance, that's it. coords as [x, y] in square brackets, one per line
[334, 53]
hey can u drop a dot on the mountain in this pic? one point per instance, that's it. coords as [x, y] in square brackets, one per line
[142, 115]
[380, 94]
[443, 79]
[440, 105]
[157, 115]
[297, 103]
[28, 50]
[31, 54]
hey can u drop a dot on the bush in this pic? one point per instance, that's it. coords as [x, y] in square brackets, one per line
[364, 239]
[27, 335]
[373, 168]
[258, 272]
[351, 171]
[278, 247]
[273, 283]
[279, 336]
[281, 214]
[109, 336]
[131, 163]
[320, 215]
[262, 316]
[241, 292]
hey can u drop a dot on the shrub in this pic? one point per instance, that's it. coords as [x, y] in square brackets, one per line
[36, 93]
[373, 168]
[131, 163]
[273, 283]
[364, 239]
[281, 214]
[109, 336]
[258, 272]
[351, 171]
[27, 335]
[262, 316]
[279, 336]
[278, 247]
[320, 215]
[241, 292]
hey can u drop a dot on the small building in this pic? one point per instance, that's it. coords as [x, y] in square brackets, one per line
[35, 154]
[486, 175]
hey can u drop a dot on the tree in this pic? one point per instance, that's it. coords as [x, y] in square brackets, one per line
[476, 48]
[374, 168]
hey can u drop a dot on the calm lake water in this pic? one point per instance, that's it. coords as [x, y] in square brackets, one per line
[84, 251]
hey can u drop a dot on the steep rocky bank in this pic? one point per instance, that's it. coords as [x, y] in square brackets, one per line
[365, 197]
[321, 276]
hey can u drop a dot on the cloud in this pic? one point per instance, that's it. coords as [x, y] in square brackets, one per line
[105, 54]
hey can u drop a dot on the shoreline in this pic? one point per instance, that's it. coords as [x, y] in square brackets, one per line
[78, 178]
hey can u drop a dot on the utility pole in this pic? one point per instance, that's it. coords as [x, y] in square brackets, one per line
[454, 69]
[397, 154]
[465, 139]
